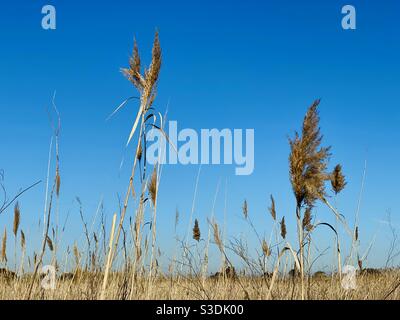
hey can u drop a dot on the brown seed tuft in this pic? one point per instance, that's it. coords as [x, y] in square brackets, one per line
[245, 209]
[4, 246]
[338, 180]
[17, 218]
[140, 152]
[133, 72]
[23, 240]
[307, 220]
[196, 231]
[272, 209]
[146, 83]
[360, 264]
[49, 243]
[58, 183]
[176, 218]
[153, 186]
[266, 250]
[283, 228]
[155, 66]
[76, 255]
[93, 261]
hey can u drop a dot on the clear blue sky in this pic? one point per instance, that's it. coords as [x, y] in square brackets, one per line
[226, 64]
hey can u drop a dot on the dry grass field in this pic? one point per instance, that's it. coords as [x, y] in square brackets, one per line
[369, 287]
[120, 260]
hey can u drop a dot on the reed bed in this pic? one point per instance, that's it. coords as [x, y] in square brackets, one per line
[174, 288]
[121, 260]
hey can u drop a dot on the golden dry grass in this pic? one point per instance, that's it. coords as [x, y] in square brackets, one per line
[88, 287]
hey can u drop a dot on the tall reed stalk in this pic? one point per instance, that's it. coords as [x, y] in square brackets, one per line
[109, 258]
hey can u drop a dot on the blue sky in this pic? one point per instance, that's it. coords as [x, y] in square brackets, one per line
[231, 64]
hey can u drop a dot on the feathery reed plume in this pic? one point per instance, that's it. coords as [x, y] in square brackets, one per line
[308, 161]
[155, 66]
[283, 228]
[4, 246]
[153, 186]
[245, 209]
[133, 73]
[217, 236]
[272, 209]
[338, 180]
[17, 217]
[266, 250]
[49, 243]
[307, 220]
[23, 240]
[145, 84]
[196, 231]
[76, 255]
